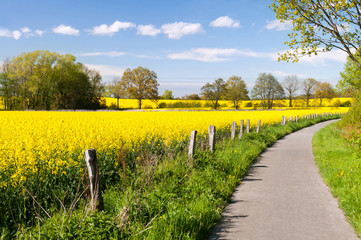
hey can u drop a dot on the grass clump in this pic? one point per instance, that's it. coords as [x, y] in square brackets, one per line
[340, 166]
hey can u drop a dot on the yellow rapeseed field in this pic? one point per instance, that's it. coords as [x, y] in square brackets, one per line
[250, 104]
[33, 142]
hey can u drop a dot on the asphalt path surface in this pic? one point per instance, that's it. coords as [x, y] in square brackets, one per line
[284, 197]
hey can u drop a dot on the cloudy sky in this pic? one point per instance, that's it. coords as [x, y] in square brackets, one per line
[186, 42]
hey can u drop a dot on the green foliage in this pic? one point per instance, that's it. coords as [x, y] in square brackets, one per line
[236, 90]
[351, 76]
[140, 83]
[167, 94]
[45, 80]
[320, 26]
[214, 91]
[340, 166]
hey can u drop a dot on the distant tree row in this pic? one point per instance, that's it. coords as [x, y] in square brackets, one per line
[44, 80]
[267, 89]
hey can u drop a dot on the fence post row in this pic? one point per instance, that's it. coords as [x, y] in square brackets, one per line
[96, 202]
[192, 144]
[233, 133]
[241, 129]
[212, 137]
[258, 126]
[247, 125]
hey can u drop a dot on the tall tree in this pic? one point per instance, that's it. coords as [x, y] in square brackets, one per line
[167, 94]
[267, 88]
[324, 90]
[321, 25]
[236, 90]
[291, 85]
[350, 77]
[49, 80]
[214, 91]
[140, 83]
[309, 86]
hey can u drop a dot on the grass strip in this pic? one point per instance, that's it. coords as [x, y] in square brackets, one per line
[340, 167]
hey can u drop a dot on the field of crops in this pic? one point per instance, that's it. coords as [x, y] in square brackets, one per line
[33, 142]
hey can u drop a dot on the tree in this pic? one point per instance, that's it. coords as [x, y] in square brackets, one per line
[291, 84]
[236, 90]
[167, 94]
[214, 91]
[309, 86]
[267, 88]
[49, 80]
[321, 25]
[193, 96]
[140, 83]
[115, 89]
[350, 77]
[324, 90]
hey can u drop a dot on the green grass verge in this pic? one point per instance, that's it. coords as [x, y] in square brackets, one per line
[171, 198]
[340, 167]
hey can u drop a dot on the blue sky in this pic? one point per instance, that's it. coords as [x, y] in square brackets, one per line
[187, 43]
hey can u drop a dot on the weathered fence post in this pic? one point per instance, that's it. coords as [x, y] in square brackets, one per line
[192, 144]
[282, 120]
[290, 119]
[241, 129]
[258, 126]
[233, 132]
[96, 201]
[247, 126]
[212, 137]
[296, 118]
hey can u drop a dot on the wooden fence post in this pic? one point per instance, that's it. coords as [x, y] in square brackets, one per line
[241, 129]
[96, 202]
[258, 126]
[247, 126]
[192, 144]
[212, 137]
[282, 120]
[233, 132]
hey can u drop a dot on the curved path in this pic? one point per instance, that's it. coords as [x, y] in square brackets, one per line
[284, 197]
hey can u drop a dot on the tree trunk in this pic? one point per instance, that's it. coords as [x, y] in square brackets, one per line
[290, 101]
[140, 103]
[308, 100]
[117, 103]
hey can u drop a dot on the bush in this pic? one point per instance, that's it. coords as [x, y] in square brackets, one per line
[162, 105]
[248, 104]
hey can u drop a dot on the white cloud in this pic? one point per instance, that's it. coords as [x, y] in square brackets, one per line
[105, 30]
[10, 34]
[149, 30]
[108, 54]
[148, 56]
[177, 30]
[285, 74]
[322, 57]
[16, 34]
[25, 30]
[214, 54]
[278, 25]
[39, 32]
[225, 21]
[66, 30]
[107, 70]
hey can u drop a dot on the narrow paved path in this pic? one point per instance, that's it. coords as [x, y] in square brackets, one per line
[284, 197]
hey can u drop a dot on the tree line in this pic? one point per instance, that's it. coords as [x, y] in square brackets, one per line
[267, 89]
[43, 80]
